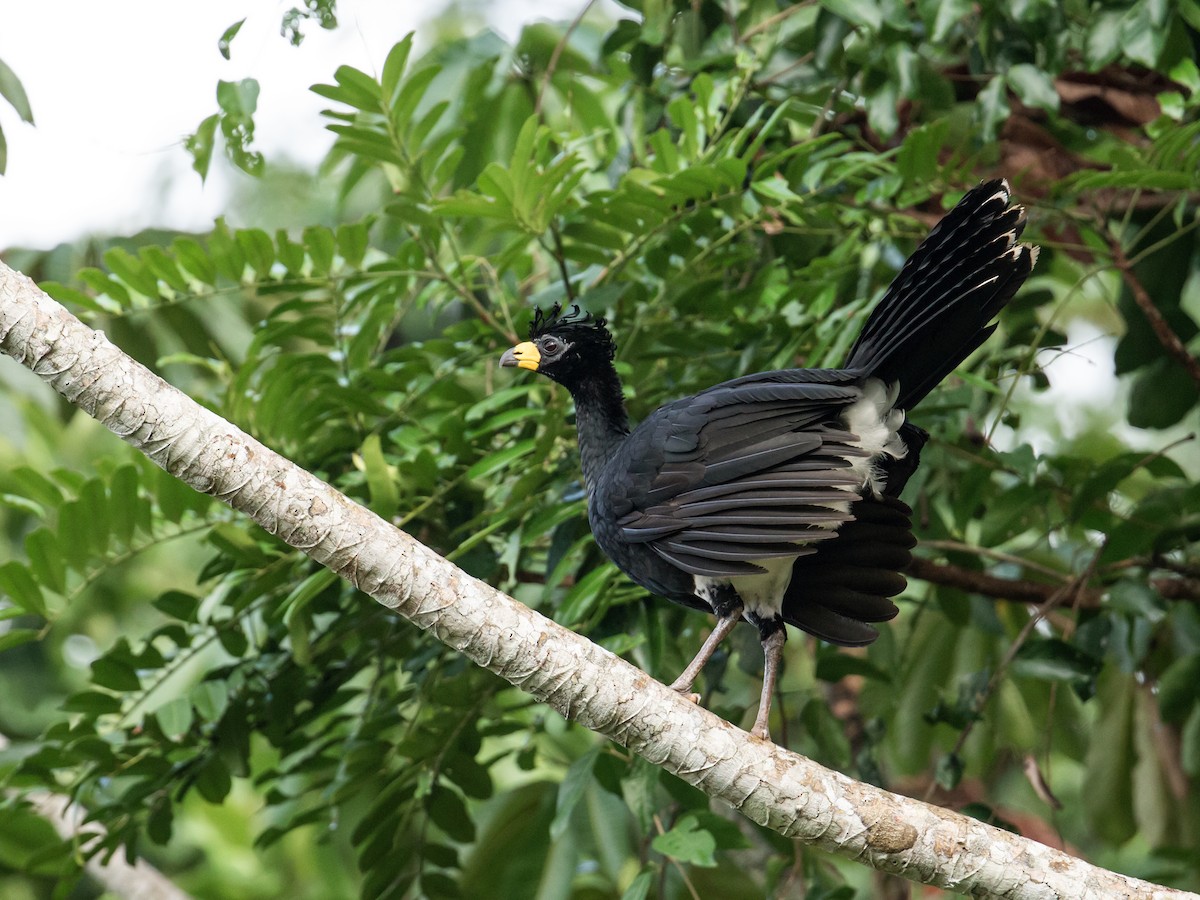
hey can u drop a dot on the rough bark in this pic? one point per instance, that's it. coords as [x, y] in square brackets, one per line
[768, 784]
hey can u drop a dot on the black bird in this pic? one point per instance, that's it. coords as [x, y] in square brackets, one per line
[774, 497]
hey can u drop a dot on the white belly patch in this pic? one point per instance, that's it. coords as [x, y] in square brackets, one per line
[761, 594]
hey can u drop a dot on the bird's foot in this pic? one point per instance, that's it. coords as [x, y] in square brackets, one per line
[683, 685]
[760, 730]
[772, 642]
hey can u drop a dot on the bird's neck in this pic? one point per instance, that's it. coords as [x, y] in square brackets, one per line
[601, 419]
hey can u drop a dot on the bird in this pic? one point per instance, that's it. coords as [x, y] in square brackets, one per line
[774, 498]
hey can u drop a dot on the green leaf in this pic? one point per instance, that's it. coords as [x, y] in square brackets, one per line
[946, 14]
[352, 242]
[502, 459]
[115, 674]
[688, 843]
[394, 65]
[258, 249]
[161, 266]
[93, 703]
[12, 91]
[354, 88]
[70, 296]
[1108, 799]
[195, 260]
[1103, 43]
[213, 781]
[178, 605]
[1177, 688]
[305, 592]
[93, 508]
[158, 824]
[46, 560]
[992, 104]
[210, 699]
[19, 586]
[573, 785]
[449, 813]
[582, 598]
[124, 502]
[1050, 659]
[1189, 747]
[239, 101]
[639, 888]
[1137, 599]
[382, 480]
[320, 243]
[1033, 86]
[227, 37]
[15, 637]
[863, 13]
[175, 717]
[200, 143]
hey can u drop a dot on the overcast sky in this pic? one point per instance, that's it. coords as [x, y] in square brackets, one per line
[115, 86]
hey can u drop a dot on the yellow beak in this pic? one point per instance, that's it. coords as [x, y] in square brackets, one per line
[526, 355]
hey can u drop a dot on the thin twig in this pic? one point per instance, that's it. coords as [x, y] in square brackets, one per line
[558, 49]
[777, 19]
[1158, 324]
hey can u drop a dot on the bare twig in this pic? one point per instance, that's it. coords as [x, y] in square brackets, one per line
[558, 49]
[1158, 324]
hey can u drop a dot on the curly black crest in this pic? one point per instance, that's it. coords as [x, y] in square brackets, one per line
[574, 325]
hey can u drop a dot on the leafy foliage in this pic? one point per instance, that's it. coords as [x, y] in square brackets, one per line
[732, 193]
[14, 94]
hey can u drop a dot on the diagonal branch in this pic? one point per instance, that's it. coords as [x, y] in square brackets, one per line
[766, 783]
[1170, 341]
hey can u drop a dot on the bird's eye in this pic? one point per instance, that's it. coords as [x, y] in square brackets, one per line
[550, 345]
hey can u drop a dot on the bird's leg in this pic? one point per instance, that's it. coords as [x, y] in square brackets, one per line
[728, 607]
[773, 633]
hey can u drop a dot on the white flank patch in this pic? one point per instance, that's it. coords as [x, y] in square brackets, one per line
[877, 422]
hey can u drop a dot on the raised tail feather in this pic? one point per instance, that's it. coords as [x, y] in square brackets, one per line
[938, 309]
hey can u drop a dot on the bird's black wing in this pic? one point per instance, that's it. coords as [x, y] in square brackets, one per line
[751, 469]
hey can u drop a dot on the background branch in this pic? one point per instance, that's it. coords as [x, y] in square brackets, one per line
[131, 881]
[1158, 323]
[1024, 590]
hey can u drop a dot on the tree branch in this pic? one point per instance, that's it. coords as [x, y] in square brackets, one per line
[1158, 324]
[584, 682]
[1023, 590]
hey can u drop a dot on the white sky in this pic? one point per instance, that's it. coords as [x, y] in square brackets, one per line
[115, 86]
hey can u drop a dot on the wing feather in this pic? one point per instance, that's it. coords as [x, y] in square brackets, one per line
[754, 469]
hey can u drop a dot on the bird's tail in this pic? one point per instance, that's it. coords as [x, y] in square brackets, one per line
[938, 308]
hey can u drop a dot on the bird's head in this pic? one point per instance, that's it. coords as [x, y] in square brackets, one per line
[565, 345]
